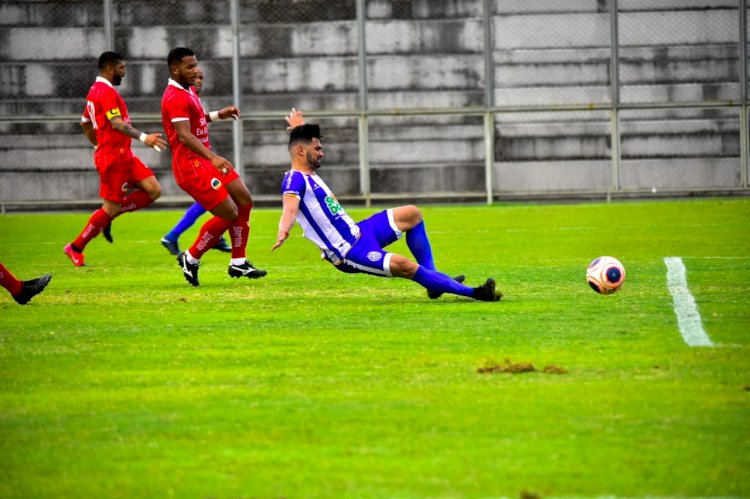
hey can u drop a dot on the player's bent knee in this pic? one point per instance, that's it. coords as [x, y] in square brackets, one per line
[413, 213]
[152, 187]
[400, 266]
[111, 208]
[406, 217]
[227, 210]
[418, 217]
[231, 215]
[247, 204]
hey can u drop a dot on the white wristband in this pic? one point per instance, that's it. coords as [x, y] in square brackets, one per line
[143, 136]
[214, 115]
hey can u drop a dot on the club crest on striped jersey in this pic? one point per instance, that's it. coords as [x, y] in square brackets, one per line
[215, 183]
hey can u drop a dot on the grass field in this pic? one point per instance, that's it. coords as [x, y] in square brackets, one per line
[121, 380]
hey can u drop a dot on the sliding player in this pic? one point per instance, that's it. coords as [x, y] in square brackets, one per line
[358, 247]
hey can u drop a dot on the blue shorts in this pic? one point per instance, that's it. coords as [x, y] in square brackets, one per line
[367, 255]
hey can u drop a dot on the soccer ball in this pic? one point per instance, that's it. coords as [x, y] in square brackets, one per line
[605, 275]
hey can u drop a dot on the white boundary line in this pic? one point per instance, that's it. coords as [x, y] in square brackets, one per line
[688, 317]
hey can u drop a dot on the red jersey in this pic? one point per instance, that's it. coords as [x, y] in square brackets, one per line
[180, 104]
[104, 102]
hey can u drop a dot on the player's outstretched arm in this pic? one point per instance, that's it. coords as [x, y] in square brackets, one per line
[226, 113]
[288, 217]
[154, 140]
[294, 119]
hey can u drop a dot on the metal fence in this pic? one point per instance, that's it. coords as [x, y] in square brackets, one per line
[438, 99]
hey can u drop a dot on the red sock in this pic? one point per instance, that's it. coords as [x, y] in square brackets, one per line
[135, 201]
[240, 231]
[209, 234]
[98, 220]
[9, 281]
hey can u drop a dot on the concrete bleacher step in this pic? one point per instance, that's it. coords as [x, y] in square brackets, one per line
[420, 54]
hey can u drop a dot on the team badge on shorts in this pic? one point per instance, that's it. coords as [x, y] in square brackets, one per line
[125, 187]
[374, 256]
[215, 183]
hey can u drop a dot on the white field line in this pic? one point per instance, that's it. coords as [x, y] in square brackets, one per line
[688, 317]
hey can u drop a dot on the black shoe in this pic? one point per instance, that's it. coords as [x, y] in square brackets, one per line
[246, 270]
[107, 233]
[487, 292]
[434, 295]
[32, 288]
[223, 246]
[189, 270]
[171, 246]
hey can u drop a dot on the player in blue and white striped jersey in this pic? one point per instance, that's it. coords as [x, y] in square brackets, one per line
[358, 247]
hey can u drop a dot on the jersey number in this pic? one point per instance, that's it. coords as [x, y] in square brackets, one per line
[92, 113]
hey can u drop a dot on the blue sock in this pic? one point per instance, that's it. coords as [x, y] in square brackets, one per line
[435, 281]
[188, 219]
[419, 245]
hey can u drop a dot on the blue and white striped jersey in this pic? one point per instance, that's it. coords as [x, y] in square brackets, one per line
[322, 218]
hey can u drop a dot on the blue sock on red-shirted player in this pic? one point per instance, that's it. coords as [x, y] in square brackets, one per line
[188, 220]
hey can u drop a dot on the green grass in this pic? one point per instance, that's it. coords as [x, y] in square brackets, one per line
[121, 380]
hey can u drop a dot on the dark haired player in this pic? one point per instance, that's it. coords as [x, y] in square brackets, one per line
[106, 124]
[209, 178]
[358, 247]
[194, 211]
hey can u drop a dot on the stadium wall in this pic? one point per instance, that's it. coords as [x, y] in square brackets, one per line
[454, 99]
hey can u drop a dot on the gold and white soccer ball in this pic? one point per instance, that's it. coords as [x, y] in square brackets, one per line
[605, 275]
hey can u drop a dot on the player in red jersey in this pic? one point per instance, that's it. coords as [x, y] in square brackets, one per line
[106, 124]
[170, 240]
[22, 291]
[209, 178]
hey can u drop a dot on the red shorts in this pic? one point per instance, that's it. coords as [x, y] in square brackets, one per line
[114, 178]
[200, 178]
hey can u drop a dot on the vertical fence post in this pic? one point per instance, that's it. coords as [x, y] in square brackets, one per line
[489, 101]
[237, 129]
[744, 140]
[614, 77]
[364, 132]
[109, 27]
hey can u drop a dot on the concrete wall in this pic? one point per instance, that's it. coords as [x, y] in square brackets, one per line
[421, 54]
